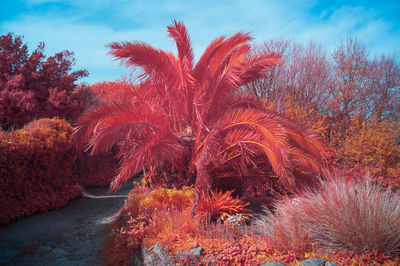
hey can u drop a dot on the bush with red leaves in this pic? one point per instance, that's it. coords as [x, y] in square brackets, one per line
[32, 86]
[39, 171]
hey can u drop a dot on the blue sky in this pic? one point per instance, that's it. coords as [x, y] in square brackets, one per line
[86, 26]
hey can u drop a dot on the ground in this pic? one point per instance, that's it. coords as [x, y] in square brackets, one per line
[73, 235]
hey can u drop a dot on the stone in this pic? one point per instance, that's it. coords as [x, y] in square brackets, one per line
[191, 255]
[138, 258]
[313, 262]
[272, 263]
[157, 255]
[136, 261]
[8, 255]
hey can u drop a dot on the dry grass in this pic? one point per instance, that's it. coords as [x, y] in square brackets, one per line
[356, 216]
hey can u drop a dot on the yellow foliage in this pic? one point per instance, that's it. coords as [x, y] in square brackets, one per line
[309, 117]
[141, 201]
[372, 145]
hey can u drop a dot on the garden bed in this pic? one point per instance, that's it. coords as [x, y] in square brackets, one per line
[159, 219]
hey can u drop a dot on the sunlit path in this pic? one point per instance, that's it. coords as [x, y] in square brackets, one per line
[73, 235]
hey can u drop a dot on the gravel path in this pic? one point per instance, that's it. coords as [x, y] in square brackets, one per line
[73, 235]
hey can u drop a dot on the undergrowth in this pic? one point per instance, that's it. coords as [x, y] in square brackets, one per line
[347, 222]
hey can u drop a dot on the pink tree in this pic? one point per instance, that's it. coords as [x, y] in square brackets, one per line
[32, 86]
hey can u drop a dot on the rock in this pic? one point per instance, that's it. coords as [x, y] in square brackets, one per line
[157, 255]
[313, 262]
[331, 263]
[272, 263]
[136, 261]
[190, 255]
[8, 255]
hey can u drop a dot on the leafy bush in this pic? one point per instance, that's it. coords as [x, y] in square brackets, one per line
[150, 216]
[143, 201]
[33, 87]
[355, 216]
[30, 161]
[371, 144]
[40, 172]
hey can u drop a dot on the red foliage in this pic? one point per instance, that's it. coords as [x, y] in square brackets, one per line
[118, 90]
[153, 216]
[220, 205]
[39, 171]
[189, 121]
[30, 159]
[32, 86]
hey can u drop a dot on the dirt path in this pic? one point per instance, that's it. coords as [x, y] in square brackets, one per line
[73, 235]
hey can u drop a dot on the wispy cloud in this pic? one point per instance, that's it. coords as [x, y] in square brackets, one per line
[85, 27]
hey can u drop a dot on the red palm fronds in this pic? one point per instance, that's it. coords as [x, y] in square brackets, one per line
[185, 51]
[191, 120]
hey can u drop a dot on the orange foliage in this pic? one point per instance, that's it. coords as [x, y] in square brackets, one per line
[158, 216]
[366, 145]
[371, 144]
[309, 117]
[163, 216]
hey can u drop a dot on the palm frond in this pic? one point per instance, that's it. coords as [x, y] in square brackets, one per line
[252, 133]
[305, 139]
[183, 44]
[163, 147]
[215, 53]
[86, 123]
[306, 162]
[155, 63]
[256, 66]
[225, 78]
[131, 123]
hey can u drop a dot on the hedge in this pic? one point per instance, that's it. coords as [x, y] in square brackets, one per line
[39, 170]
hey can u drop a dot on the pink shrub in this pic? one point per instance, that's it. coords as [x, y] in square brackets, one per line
[356, 216]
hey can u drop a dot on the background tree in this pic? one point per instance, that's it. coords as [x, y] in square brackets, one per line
[33, 86]
[351, 98]
[384, 88]
[304, 75]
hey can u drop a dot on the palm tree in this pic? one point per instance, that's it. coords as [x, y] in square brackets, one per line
[187, 121]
